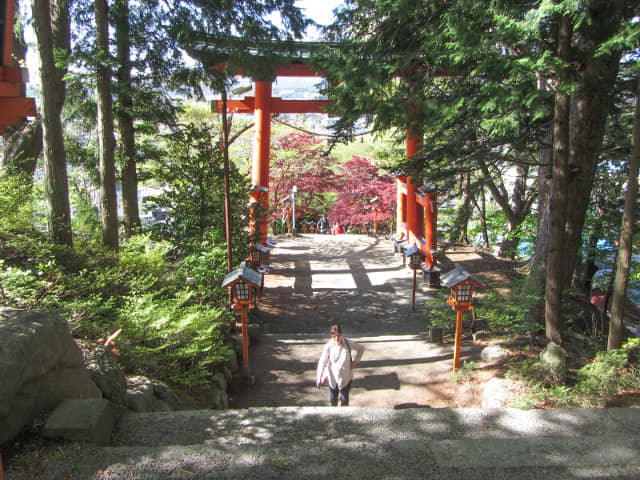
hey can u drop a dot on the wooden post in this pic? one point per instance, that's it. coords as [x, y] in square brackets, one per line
[413, 294]
[456, 354]
[245, 339]
[375, 221]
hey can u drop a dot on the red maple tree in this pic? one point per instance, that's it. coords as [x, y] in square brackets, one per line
[361, 187]
[298, 160]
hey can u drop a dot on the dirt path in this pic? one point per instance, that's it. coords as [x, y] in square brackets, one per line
[359, 282]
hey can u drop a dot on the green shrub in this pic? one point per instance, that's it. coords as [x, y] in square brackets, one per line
[512, 312]
[592, 385]
[439, 313]
[463, 374]
[164, 339]
[16, 203]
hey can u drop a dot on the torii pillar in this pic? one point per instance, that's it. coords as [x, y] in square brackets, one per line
[14, 107]
[263, 105]
[261, 156]
[416, 210]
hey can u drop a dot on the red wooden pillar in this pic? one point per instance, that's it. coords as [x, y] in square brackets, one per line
[7, 31]
[413, 145]
[261, 150]
[412, 218]
[430, 232]
[401, 204]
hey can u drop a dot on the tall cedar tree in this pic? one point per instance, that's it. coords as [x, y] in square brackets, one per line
[51, 24]
[106, 141]
[125, 120]
[616, 329]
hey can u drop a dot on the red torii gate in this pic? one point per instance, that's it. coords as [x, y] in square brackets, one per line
[14, 107]
[416, 209]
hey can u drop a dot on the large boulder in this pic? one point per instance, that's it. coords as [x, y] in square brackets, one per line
[554, 357]
[105, 372]
[40, 365]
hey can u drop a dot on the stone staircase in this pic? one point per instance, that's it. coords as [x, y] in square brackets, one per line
[381, 443]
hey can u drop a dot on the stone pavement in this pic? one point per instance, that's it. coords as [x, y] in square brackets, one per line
[359, 282]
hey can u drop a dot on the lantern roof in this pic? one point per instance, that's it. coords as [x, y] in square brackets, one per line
[413, 250]
[457, 276]
[258, 188]
[427, 188]
[245, 273]
[262, 248]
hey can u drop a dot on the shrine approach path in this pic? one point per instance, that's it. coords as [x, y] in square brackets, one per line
[359, 282]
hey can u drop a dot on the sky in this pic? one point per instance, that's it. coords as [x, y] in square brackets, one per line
[319, 10]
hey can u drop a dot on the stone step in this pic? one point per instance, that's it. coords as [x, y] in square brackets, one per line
[433, 459]
[289, 425]
[355, 443]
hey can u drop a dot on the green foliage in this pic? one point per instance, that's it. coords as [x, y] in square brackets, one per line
[511, 312]
[172, 316]
[463, 374]
[164, 338]
[204, 269]
[439, 313]
[194, 194]
[16, 202]
[590, 386]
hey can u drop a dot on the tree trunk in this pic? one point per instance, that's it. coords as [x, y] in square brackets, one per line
[543, 230]
[125, 122]
[482, 212]
[51, 24]
[590, 107]
[554, 324]
[106, 143]
[616, 328]
[22, 147]
[227, 188]
[459, 231]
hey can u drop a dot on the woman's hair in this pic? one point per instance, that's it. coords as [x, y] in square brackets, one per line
[335, 330]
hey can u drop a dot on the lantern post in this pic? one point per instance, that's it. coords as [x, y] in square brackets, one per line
[461, 284]
[416, 257]
[244, 283]
[294, 190]
[376, 208]
[287, 203]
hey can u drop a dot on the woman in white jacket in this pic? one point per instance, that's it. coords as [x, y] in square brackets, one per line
[336, 365]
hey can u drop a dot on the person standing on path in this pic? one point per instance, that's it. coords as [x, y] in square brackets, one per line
[336, 365]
